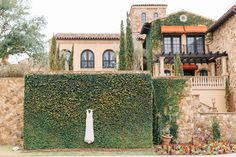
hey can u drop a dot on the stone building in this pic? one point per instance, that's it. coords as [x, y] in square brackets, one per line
[185, 33]
[223, 35]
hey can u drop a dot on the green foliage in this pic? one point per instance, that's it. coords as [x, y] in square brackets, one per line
[19, 33]
[178, 66]
[129, 46]
[52, 54]
[216, 130]
[154, 37]
[174, 131]
[72, 58]
[229, 106]
[54, 110]
[167, 95]
[60, 59]
[122, 60]
[56, 60]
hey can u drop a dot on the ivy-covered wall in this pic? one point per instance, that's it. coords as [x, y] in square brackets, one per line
[167, 95]
[154, 36]
[54, 110]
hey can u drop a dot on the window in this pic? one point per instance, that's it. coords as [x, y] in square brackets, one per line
[87, 59]
[109, 59]
[195, 44]
[172, 44]
[156, 16]
[203, 73]
[143, 18]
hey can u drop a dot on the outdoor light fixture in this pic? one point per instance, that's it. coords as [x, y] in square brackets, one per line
[213, 102]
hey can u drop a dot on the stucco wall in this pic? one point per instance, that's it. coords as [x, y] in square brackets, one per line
[224, 39]
[97, 46]
[11, 110]
[206, 96]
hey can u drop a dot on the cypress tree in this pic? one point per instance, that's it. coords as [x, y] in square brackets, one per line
[178, 66]
[122, 61]
[60, 60]
[71, 58]
[52, 54]
[129, 46]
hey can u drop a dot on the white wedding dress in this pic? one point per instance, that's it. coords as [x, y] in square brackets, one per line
[89, 133]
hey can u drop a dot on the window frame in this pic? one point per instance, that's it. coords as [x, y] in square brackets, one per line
[143, 18]
[87, 61]
[155, 15]
[172, 45]
[110, 60]
[195, 45]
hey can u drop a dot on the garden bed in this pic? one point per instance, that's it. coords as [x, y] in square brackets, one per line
[213, 148]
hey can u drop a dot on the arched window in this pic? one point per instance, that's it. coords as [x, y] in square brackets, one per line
[203, 72]
[156, 16]
[108, 59]
[87, 59]
[143, 18]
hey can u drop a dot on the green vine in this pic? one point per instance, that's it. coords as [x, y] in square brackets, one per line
[154, 37]
[167, 94]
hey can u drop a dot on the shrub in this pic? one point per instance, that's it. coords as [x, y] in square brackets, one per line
[54, 110]
[174, 131]
[216, 130]
[167, 95]
[14, 70]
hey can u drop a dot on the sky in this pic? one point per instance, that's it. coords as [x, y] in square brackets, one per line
[104, 16]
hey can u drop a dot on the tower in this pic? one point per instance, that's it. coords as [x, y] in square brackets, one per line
[142, 13]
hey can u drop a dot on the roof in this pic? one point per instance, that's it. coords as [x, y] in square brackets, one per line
[80, 36]
[184, 29]
[134, 5]
[222, 19]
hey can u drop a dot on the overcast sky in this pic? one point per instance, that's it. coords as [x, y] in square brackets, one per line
[104, 16]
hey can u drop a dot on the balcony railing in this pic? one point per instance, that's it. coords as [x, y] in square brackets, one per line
[205, 82]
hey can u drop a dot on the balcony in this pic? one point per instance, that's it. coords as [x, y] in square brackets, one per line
[206, 82]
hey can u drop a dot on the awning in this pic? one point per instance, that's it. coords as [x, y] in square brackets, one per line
[190, 67]
[183, 29]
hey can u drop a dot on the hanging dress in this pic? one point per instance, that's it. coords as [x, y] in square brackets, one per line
[89, 133]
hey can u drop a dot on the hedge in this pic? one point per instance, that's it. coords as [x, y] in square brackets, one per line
[55, 104]
[167, 95]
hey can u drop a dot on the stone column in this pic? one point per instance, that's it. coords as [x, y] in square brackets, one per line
[224, 65]
[213, 69]
[155, 69]
[162, 64]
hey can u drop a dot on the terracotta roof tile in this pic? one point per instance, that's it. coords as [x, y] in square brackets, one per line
[149, 5]
[80, 36]
[183, 29]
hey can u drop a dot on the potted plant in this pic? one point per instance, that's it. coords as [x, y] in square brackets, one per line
[166, 136]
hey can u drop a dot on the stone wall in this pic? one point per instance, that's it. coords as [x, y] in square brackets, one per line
[11, 110]
[196, 119]
[224, 39]
[227, 123]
